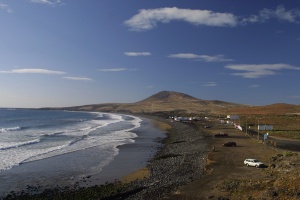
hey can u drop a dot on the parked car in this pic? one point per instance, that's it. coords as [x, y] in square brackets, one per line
[207, 126]
[253, 162]
[229, 144]
[221, 135]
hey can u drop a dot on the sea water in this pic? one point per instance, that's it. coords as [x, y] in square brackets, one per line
[39, 138]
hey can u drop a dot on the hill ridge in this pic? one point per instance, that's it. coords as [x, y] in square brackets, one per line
[169, 96]
[181, 103]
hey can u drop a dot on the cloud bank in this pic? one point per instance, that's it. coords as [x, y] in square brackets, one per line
[32, 71]
[205, 58]
[260, 70]
[72, 78]
[137, 53]
[115, 69]
[280, 13]
[49, 2]
[254, 86]
[5, 7]
[210, 84]
[294, 97]
[147, 19]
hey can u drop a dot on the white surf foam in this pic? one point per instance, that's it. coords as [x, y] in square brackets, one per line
[76, 138]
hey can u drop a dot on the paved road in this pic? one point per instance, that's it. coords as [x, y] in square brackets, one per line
[282, 143]
[291, 145]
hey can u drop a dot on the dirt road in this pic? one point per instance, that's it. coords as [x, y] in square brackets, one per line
[226, 163]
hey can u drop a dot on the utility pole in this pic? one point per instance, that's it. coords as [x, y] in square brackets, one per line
[246, 125]
[258, 129]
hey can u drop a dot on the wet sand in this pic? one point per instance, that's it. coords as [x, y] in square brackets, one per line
[132, 157]
[181, 161]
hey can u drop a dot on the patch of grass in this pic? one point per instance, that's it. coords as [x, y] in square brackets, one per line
[161, 125]
[289, 154]
[293, 134]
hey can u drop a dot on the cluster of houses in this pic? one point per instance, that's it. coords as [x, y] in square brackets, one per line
[230, 119]
[260, 127]
[184, 119]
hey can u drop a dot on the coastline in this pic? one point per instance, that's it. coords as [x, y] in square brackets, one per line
[144, 172]
[131, 158]
[46, 174]
[179, 161]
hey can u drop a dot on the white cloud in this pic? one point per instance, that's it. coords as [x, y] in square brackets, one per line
[254, 86]
[49, 2]
[5, 7]
[294, 97]
[205, 58]
[112, 70]
[116, 69]
[77, 78]
[32, 71]
[260, 70]
[184, 55]
[210, 84]
[137, 53]
[147, 19]
[280, 13]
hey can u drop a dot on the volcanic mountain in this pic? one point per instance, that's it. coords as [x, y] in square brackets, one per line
[168, 96]
[175, 101]
[165, 101]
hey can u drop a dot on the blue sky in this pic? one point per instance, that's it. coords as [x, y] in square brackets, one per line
[76, 52]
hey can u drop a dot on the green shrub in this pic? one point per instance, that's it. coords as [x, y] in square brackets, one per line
[289, 153]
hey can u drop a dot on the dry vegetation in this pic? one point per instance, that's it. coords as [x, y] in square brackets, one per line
[281, 181]
[284, 125]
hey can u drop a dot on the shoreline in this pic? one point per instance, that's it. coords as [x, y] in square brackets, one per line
[180, 159]
[131, 157]
[144, 172]
[39, 175]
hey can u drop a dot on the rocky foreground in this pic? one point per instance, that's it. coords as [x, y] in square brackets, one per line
[181, 161]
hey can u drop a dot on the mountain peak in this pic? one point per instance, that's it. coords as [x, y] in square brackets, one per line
[167, 96]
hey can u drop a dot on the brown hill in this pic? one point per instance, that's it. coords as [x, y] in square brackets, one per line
[165, 101]
[176, 102]
[170, 101]
[169, 96]
[279, 108]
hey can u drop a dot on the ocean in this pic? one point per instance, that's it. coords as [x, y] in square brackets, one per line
[47, 147]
